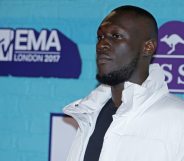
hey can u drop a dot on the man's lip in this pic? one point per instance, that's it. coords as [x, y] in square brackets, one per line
[103, 59]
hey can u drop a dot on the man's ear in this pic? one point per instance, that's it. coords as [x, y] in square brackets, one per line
[149, 47]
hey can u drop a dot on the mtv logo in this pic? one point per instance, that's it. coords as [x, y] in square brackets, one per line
[6, 44]
[38, 53]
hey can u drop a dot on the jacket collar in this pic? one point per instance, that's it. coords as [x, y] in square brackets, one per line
[134, 96]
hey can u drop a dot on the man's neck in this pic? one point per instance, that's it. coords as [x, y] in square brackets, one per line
[117, 94]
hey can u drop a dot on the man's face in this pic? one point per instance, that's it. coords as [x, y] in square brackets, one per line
[118, 48]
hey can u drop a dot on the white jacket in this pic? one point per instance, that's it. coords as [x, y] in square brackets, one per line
[148, 126]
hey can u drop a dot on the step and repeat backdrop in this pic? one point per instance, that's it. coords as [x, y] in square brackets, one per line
[47, 60]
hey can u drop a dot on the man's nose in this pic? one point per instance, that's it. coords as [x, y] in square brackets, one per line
[102, 45]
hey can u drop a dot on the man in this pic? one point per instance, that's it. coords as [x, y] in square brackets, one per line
[131, 116]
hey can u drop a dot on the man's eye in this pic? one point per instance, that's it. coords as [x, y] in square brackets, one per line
[117, 36]
[100, 37]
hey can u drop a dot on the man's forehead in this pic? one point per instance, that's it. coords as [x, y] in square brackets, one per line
[118, 17]
[122, 20]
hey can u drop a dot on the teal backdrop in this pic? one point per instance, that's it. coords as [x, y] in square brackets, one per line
[26, 103]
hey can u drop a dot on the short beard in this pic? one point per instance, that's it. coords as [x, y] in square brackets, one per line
[119, 76]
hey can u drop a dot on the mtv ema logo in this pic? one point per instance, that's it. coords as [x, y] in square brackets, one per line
[170, 54]
[29, 46]
[26, 52]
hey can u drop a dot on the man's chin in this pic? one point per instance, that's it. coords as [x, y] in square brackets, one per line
[108, 80]
[118, 76]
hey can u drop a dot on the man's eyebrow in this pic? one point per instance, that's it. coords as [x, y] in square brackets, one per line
[112, 27]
